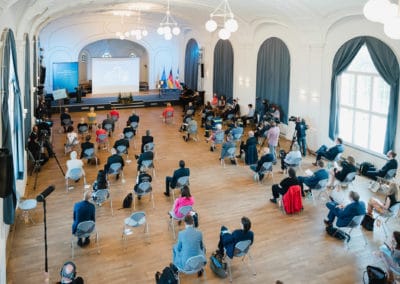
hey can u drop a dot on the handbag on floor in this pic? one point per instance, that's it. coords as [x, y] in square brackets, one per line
[376, 275]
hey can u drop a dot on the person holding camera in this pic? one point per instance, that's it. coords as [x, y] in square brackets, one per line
[301, 128]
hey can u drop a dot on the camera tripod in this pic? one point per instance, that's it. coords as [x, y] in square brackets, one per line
[38, 162]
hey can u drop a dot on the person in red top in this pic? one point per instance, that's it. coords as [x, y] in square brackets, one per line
[214, 101]
[100, 131]
[114, 113]
[169, 108]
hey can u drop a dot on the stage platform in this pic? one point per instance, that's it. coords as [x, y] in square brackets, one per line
[147, 99]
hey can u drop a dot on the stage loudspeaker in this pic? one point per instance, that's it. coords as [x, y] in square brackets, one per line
[202, 70]
[6, 174]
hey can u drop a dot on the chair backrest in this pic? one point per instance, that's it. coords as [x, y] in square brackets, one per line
[147, 164]
[231, 152]
[321, 184]
[356, 221]
[394, 210]
[338, 157]
[390, 174]
[241, 248]
[350, 177]
[102, 138]
[121, 149]
[91, 119]
[75, 173]
[101, 195]
[189, 112]
[266, 167]
[136, 219]
[67, 121]
[84, 229]
[296, 162]
[115, 168]
[169, 114]
[114, 117]
[129, 135]
[184, 210]
[83, 128]
[149, 146]
[219, 137]
[192, 128]
[194, 264]
[144, 188]
[134, 125]
[88, 153]
[182, 181]
[108, 126]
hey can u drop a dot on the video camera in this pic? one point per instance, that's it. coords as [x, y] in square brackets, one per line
[293, 118]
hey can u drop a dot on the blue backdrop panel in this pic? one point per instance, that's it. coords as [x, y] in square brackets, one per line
[65, 76]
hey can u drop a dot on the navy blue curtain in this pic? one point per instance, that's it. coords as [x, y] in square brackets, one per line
[27, 90]
[273, 75]
[9, 59]
[223, 69]
[387, 65]
[192, 64]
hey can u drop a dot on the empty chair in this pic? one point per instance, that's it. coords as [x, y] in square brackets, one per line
[242, 249]
[142, 189]
[266, 168]
[85, 229]
[103, 141]
[115, 169]
[181, 182]
[321, 188]
[102, 195]
[184, 210]
[26, 206]
[384, 217]
[355, 223]
[193, 265]
[136, 220]
[192, 130]
[89, 154]
[75, 175]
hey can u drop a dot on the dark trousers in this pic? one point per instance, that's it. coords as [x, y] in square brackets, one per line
[276, 190]
[332, 211]
[321, 152]
[372, 173]
[303, 145]
[167, 183]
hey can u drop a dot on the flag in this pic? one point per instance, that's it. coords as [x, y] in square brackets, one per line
[164, 79]
[177, 83]
[170, 80]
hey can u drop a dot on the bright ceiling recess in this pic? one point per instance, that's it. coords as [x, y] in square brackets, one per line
[138, 32]
[386, 13]
[230, 25]
[168, 26]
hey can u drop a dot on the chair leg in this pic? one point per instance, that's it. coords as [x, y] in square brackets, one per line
[97, 242]
[111, 205]
[152, 199]
[134, 200]
[72, 247]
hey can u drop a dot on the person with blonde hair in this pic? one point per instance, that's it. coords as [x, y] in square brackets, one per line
[74, 163]
[382, 207]
[348, 166]
[91, 117]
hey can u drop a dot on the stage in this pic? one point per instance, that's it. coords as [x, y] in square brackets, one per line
[106, 101]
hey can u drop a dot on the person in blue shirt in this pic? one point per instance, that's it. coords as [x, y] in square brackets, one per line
[330, 153]
[311, 181]
[83, 211]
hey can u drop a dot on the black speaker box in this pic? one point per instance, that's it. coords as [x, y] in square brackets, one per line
[202, 70]
[6, 172]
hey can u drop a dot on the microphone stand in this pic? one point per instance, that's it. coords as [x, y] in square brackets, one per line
[46, 268]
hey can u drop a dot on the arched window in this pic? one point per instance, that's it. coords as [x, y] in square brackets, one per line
[192, 64]
[273, 75]
[364, 94]
[223, 69]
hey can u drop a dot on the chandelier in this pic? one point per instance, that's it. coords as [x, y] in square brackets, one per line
[138, 32]
[168, 26]
[229, 26]
[386, 13]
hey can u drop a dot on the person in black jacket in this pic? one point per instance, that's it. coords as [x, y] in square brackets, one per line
[347, 167]
[249, 149]
[267, 157]
[171, 181]
[146, 139]
[284, 185]
[145, 156]
[301, 128]
[373, 173]
[86, 145]
[114, 158]
[123, 142]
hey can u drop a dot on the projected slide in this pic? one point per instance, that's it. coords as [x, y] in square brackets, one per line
[114, 75]
[65, 76]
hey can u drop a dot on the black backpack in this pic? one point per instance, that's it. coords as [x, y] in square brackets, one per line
[337, 233]
[368, 223]
[169, 275]
[375, 275]
[127, 203]
[217, 265]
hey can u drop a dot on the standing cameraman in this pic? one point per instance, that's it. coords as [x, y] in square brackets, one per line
[301, 128]
[35, 147]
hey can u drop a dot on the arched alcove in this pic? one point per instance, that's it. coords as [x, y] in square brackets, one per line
[192, 64]
[223, 69]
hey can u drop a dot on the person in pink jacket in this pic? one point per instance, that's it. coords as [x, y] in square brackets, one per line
[185, 200]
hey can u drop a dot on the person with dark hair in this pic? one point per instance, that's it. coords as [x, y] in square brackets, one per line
[114, 158]
[142, 177]
[68, 274]
[330, 153]
[301, 128]
[250, 115]
[108, 121]
[147, 155]
[228, 240]
[134, 118]
[311, 181]
[86, 145]
[128, 128]
[64, 117]
[190, 243]
[343, 213]
[34, 146]
[122, 141]
[283, 186]
[170, 182]
[83, 211]
[390, 254]
[186, 199]
[146, 139]
[373, 173]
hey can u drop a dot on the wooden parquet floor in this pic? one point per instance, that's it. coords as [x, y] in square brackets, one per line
[293, 249]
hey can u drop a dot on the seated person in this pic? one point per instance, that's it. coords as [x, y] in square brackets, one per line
[72, 137]
[64, 117]
[390, 254]
[34, 146]
[145, 156]
[91, 117]
[331, 153]
[276, 114]
[237, 131]
[373, 173]
[68, 274]
[236, 108]
[190, 243]
[86, 145]
[142, 177]
[168, 109]
[250, 115]
[225, 146]
[283, 186]
[214, 101]
[383, 207]
[186, 199]
[262, 129]
[99, 132]
[83, 211]
[340, 175]
[249, 149]
[74, 163]
[221, 103]
[228, 241]
[206, 114]
[121, 141]
[82, 125]
[191, 129]
[170, 182]
[214, 138]
[114, 158]
[290, 159]
[114, 114]
[101, 181]
[311, 181]
[343, 213]
[185, 122]
[110, 121]
[128, 128]
[133, 118]
[266, 157]
[189, 109]
[146, 139]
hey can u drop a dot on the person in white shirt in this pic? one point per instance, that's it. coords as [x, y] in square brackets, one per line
[74, 163]
[250, 115]
[290, 158]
